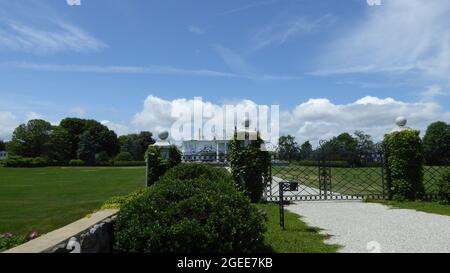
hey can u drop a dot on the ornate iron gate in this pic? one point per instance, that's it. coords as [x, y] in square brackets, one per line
[335, 174]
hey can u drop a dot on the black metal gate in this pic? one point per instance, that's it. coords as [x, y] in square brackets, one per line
[335, 174]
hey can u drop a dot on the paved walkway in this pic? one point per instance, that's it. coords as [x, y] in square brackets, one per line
[366, 227]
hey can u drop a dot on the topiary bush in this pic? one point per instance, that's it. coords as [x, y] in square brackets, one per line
[197, 215]
[76, 163]
[444, 187]
[250, 166]
[157, 165]
[124, 156]
[404, 163]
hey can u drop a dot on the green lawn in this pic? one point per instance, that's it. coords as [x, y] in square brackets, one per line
[45, 199]
[297, 238]
[430, 207]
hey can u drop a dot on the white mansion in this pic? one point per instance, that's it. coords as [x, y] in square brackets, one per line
[205, 150]
[3, 155]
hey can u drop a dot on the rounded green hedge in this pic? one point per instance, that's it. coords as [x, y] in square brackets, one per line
[197, 215]
[404, 163]
[76, 163]
[186, 171]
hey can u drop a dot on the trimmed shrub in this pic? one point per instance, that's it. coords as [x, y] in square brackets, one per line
[157, 165]
[76, 163]
[404, 163]
[187, 171]
[190, 216]
[444, 187]
[250, 166]
[124, 156]
[25, 162]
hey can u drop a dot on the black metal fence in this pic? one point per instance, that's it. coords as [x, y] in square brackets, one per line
[337, 174]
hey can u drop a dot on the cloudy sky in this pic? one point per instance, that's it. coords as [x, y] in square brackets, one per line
[332, 66]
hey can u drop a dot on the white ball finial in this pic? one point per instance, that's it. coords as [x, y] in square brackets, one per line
[163, 135]
[401, 121]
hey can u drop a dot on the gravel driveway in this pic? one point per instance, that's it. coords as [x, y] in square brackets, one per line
[366, 227]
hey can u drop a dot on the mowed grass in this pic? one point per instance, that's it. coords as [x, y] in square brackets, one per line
[297, 238]
[424, 206]
[45, 199]
[358, 181]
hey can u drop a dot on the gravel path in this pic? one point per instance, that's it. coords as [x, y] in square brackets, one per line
[366, 227]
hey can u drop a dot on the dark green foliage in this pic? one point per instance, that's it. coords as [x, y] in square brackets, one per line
[190, 216]
[59, 146]
[344, 147]
[123, 156]
[187, 171]
[404, 160]
[444, 187]
[306, 151]
[103, 139]
[76, 163]
[87, 149]
[118, 202]
[288, 148]
[25, 162]
[8, 241]
[157, 165]
[31, 139]
[250, 167]
[136, 144]
[436, 144]
[2, 145]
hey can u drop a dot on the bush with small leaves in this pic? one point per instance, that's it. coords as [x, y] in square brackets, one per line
[197, 215]
[76, 163]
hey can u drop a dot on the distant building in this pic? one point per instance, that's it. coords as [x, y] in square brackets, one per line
[3, 155]
[205, 150]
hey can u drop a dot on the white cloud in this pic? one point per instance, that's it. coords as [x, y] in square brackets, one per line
[397, 37]
[33, 115]
[432, 91]
[278, 33]
[312, 120]
[61, 36]
[196, 30]
[78, 111]
[321, 119]
[118, 128]
[8, 122]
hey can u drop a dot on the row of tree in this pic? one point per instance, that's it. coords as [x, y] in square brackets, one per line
[75, 138]
[360, 147]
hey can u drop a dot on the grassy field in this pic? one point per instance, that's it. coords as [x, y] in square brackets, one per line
[363, 181]
[430, 207]
[297, 238]
[48, 198]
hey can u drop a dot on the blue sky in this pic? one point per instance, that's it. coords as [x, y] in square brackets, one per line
[103, 59]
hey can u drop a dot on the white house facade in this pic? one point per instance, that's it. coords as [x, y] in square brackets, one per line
[3, 155]
[205, 150]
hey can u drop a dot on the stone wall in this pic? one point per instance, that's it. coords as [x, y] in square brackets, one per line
[93, 234]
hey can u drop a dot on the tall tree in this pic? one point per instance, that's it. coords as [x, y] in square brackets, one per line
[60, 146]
[344, 147]
[365, 145]
[31, 139]
[436, 143]
[2, 145]
[136, 144]
[287, 148]
[74, 127]
[306, 150]
[87, 148]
